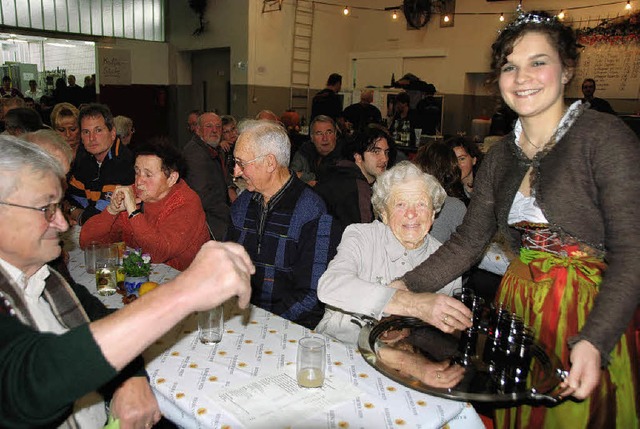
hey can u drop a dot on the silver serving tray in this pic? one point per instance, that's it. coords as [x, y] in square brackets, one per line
[545, 373]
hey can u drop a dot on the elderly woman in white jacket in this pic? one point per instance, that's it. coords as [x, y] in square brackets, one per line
[371, 256]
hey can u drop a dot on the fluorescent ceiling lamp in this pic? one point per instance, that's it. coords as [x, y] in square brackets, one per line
[61, 45]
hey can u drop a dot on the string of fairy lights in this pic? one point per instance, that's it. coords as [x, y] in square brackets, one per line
[561, 13]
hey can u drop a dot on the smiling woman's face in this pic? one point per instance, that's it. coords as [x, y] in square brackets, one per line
[67, 127]
[409, 213]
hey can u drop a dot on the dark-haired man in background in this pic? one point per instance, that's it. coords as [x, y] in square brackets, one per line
[327, 102]
[346, 186]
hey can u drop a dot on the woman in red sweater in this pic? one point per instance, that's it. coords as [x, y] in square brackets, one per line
[159, 213]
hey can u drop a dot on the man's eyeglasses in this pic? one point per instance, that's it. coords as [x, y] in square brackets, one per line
[327, 133]
[49, 211]
[243, 164]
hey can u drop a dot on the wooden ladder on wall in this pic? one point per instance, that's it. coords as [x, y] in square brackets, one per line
[301, 57]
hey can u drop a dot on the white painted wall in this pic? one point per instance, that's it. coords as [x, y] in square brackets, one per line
[466, 45]
[227, 26]
[270, 45]
[149, 60]
[443, 56]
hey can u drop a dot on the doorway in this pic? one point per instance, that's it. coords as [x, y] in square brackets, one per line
[211, 81]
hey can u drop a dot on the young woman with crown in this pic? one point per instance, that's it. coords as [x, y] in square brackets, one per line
[553, 188]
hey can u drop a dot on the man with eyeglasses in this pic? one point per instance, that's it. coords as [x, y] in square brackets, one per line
[61, 351]
[283, 225]
[323, 150]
[346, 187]
[207, 172]
[102, 162]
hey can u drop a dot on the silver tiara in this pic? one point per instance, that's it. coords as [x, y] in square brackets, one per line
[523, 18]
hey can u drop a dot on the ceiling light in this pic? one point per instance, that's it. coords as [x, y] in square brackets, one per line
[561, 15]
[394, 15]
[346, 11]
[501, 17]
[446, 18]
[62, 45]
[628, 5]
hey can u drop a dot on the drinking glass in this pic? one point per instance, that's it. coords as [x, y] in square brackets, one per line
[466, 296]
[92, 253]
[311, 361]
[418, 133]
[467, 346]
[211, 325]
[117, 250]
[472, 302]
[105, 270]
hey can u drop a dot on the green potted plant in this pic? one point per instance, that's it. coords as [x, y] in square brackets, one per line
[136, 266]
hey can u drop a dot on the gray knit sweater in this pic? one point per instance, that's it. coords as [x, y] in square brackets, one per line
[587, 187]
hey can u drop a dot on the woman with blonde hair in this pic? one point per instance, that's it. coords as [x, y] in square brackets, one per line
[64, 121]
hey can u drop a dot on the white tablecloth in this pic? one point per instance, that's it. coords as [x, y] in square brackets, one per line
[186, 375]
[160, 273]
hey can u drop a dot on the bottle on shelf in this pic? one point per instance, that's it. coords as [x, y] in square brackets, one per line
[395, 131]
[405, 134]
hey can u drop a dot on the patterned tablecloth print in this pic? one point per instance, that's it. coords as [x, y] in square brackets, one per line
[186, 375]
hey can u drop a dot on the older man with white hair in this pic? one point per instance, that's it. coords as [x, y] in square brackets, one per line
[282, 224]
[207, 172]
[58, 344]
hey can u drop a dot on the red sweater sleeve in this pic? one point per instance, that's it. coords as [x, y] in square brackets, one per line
[102, 228]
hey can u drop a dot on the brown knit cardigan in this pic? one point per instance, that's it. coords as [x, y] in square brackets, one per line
[588, 188]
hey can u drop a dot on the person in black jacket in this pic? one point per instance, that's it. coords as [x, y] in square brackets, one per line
[101, 163]
[327, 102]
[361, 114]
[346, 186]
[599, 104]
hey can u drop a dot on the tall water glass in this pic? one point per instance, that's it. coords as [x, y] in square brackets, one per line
[105, 270]
[311, 361]
[211, 325]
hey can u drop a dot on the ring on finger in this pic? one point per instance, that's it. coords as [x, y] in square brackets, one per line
[444, 319]
[438, 375]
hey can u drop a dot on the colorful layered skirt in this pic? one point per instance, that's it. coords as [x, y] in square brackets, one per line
[553, 286]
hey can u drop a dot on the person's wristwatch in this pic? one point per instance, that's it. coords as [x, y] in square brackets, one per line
[134, 213]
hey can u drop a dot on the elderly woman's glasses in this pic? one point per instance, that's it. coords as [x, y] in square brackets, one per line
[243, 164]
[49, 211]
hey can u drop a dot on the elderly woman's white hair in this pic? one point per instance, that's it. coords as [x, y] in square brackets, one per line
[403, 172]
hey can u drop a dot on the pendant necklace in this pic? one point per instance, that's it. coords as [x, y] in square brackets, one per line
[524, 133]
